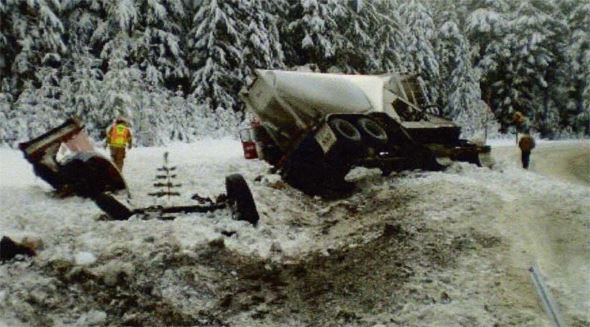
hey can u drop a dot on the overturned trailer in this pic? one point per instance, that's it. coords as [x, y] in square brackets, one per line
[82, 171]
[315, 127]
[87, 173]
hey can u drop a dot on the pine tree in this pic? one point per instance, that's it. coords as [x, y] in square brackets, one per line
[82, 92]
[126, 92]
[354, 51]
[313, 33]
[389, 38]
[216, 54]
[460, 92]
[420, 57]
[156, 46]
[37, 109]
[83, 23]
[31, 36]
[527, 65]
[6, 133]
[578, 55]
[486, 27]
[262, 47]
[452, 50]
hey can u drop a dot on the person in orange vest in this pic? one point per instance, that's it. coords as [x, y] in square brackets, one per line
[522, 124]
[119, 138]
[526, 145]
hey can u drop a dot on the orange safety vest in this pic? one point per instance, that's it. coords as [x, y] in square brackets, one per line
[119, 136]
[526, 143]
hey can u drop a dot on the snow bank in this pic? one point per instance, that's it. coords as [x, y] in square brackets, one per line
[463, 206]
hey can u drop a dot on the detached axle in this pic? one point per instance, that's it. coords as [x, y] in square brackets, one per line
[238, 199]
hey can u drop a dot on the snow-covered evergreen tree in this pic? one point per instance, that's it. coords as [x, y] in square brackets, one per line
[31, 36]
[578, 55]
[82, 91]
[216, 51]
[459, 91]
[124, 91]
[262, 47]
[355, 53]
[420, 56]
[6, 133]
[524, 86]
[156, 41]
[486, 26]
[389, 35]
[37, 109]
[313, 33]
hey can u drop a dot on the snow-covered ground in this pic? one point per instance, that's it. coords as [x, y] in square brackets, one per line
[412, 249]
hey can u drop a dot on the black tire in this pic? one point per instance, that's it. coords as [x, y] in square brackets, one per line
[240, 200]
[372, 131]
[350, 143]
[345, 130]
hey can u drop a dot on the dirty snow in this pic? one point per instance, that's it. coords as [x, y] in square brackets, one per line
[411, 249]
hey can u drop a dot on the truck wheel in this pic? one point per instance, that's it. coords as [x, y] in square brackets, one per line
[350, 143]
[345, 130]
[372, 131]
[240, 200]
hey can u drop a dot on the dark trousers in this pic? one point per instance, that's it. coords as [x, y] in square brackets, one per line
[526, 158]
[118, 156]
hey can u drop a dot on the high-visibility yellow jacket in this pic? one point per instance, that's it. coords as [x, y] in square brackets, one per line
[119, 136]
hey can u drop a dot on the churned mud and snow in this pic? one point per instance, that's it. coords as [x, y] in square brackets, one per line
[415, 248]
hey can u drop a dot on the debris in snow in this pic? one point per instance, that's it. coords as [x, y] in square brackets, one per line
[217, 243]
[115, 273]
[84, 258]
[392, 230]
[275, 248]
[92, 318]
[228, 233]
[33, 243]
[10, 249]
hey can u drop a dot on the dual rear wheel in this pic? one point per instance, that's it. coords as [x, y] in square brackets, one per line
[355, 137]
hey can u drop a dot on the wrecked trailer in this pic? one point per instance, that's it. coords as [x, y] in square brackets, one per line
[314, 128]
[82, 171]
[87, 173]
[238, 199]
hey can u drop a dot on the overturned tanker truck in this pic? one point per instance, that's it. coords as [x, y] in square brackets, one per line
[316, 127]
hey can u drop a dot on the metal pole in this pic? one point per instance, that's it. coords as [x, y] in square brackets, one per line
[546, 299]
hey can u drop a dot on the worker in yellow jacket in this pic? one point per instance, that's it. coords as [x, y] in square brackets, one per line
[119, 138]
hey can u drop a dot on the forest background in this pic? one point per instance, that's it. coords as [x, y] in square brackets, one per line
[175, 67]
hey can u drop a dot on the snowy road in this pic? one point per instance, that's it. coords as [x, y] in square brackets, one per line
[544, 229]
[567, 161]
[414, 249]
